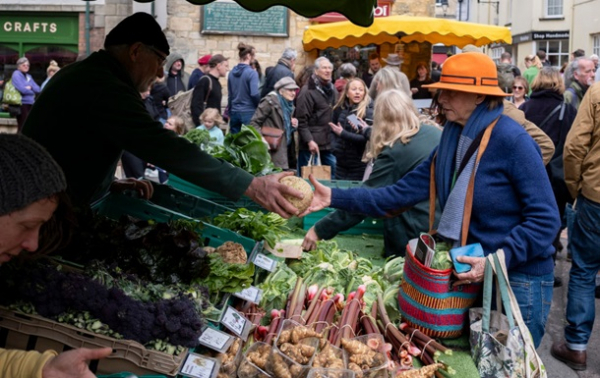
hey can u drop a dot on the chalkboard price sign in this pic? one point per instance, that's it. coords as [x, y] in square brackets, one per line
[230, 18]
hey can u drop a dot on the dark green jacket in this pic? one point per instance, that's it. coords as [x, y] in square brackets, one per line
[390, 166]
[91, 111]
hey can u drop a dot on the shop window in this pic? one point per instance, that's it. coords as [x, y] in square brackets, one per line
[596, 44]
[8, 60]
[359, 56]
[557, 52]
[40, 57]
[497, 54]
[554, 8]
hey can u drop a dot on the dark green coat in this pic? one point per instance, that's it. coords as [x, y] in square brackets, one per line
[91, 111]
[390, 166]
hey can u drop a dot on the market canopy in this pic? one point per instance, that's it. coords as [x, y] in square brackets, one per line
[396, 29]
[358, 11]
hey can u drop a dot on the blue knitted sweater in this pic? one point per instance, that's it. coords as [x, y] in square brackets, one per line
[513, 205]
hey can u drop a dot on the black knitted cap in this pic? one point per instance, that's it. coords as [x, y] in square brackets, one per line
[139, 27]
[27, 173]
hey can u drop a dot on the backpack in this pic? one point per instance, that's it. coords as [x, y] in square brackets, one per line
[506, 76]
[180, 105]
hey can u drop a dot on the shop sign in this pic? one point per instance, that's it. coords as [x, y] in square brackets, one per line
[549, 35]
[540, 36]
[28, 27]
[384, 9]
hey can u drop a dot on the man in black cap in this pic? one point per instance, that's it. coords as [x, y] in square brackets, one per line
[92, 111]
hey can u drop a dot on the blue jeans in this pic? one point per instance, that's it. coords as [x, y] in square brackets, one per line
[237, 119]
[327, 158]
[585, 247]
[534, 294]
[569, 219]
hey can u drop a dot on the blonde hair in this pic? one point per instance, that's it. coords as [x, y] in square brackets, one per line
[361, 107]
[211, 113]
[389, 78]
[179, 124]
[394, 118]
[52, 67]
[548, 78]
[535, 60]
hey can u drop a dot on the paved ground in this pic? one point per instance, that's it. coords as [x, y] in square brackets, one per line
[555, 326]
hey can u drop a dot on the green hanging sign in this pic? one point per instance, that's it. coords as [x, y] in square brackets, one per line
[40, 28]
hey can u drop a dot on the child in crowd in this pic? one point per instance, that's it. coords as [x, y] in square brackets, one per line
[176, 124]
[210, 120]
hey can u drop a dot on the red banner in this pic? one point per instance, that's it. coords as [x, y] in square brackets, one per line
[383, 10]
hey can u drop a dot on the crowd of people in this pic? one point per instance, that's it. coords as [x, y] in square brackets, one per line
[525, 143]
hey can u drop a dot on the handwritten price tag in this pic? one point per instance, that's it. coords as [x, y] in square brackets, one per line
[198, 366]
[265, 262]
[215, 339]
[251, 294]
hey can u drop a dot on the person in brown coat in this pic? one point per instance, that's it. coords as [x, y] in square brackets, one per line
[276, 110]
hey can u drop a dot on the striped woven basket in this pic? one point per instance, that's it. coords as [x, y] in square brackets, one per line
[428, 302]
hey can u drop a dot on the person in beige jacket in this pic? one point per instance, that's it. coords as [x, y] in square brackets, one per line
[581, 158]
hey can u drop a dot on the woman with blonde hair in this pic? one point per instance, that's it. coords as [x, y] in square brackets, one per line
[389, 78]
[50, 71]
[534, 65]
[352, 114]
[399, 143]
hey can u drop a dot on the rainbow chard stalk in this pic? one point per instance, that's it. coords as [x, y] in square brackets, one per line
[276, 317]
[313, 305]
[296, 301]
[349, 320]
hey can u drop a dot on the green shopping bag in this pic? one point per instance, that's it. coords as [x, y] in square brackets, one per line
[11, 96]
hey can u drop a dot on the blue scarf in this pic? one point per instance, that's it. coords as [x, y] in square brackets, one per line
[454, 143]
[287, 108]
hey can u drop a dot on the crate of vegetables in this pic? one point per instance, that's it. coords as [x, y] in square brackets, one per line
[188, 187]
[116, 205]
[33, 332]
[372, 226]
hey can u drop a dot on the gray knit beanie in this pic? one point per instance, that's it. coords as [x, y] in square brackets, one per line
[27, 173]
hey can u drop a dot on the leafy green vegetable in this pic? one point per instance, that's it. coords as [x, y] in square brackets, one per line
[441, 258]
[225, 277]
[200, 137]
[256, 225]
[277, 286]
[394, 269]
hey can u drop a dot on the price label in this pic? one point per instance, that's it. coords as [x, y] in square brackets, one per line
[251, 294]
[265, 262]
[215, 339]
[235, 321]
[198, 366]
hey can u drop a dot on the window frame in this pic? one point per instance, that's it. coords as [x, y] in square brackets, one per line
[559, 4]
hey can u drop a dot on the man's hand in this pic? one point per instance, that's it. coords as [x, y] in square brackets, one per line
[74, 363]
[268, 192]
[143, 187]
[310, 240]
[294, 122]
[476, 273]
[321, 197]
[313, 147]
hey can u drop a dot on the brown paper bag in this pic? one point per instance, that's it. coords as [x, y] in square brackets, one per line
[320, 172]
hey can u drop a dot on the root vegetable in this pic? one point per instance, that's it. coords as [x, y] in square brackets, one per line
[356, 369]
[260, 356]
[369, 360]
[301, 353]
[233, 253]
[278, 367]
[356, 347]
[302, 186]
[424, 372]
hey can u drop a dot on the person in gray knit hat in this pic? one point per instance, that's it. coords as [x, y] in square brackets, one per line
[31, 183]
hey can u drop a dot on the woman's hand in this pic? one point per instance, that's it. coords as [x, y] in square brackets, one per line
[414, 90]
[310, 240]
[476, 273]
[337, 129]
[321, 197]
[313, 147]
[294, 123]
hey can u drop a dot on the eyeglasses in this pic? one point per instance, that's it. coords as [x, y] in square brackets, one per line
[161, 58]
[518, 87]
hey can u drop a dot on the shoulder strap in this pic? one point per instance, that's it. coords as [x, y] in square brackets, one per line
[470, 188]
[553, 112]
[209, 87]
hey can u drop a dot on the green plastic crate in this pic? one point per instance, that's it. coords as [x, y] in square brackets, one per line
[372, 226]
[116, 205]
[173, 199]
[188, 187]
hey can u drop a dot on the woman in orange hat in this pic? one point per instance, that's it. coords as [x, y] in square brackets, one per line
[513, 206]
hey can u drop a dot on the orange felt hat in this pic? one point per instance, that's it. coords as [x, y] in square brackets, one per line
[471, 72]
